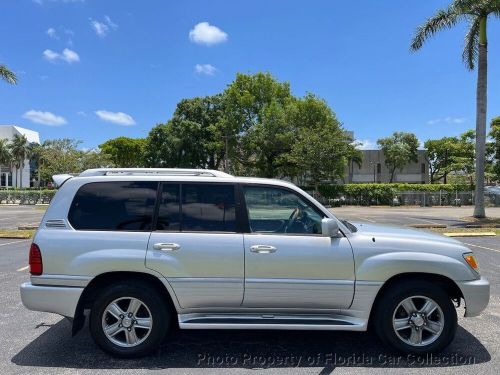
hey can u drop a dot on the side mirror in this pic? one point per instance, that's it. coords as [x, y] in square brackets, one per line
[329, 227]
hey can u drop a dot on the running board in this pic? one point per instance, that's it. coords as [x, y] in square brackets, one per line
[269, 321]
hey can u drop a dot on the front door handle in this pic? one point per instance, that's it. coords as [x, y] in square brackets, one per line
[166, 246]
[263, 249]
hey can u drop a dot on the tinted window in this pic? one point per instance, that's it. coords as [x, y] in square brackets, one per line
[114, 206]
[208, 207]
[169, 215]
[276, 210]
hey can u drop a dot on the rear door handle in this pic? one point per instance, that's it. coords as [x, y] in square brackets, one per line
[263, 249]
[166, 246]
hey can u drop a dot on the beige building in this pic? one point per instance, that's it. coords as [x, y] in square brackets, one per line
[373, 169]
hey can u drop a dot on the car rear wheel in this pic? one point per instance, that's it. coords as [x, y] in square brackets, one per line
[129, 320]
[416, 317]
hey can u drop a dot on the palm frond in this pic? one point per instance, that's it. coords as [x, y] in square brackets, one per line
[443, 19]
[471, 47]
[7, 75]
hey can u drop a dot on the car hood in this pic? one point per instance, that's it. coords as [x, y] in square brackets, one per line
[403, 233]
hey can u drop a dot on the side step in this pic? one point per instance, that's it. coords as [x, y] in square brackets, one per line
[269, 321]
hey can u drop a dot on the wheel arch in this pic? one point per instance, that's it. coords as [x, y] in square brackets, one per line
[93, 288]
[450, 287]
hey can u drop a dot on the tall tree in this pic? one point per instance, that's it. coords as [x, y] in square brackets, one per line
[320, 148]
[399, 150]
[7, 75]
[20, 148]
[193, 138]
[450, 154]
[495, 146]
[124, 152]
[476, 13]
[249, 102]
[5, 156]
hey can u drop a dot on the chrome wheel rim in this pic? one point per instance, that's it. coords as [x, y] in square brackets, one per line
[418, 321]
[127, 322]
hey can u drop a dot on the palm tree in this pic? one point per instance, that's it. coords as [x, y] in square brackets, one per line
[7, 75]
[476, 12]
[20, 149]
[5, 156]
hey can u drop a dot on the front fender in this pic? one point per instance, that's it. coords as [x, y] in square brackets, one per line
[382, 267]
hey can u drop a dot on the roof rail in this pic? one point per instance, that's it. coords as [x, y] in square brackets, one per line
[153, 171]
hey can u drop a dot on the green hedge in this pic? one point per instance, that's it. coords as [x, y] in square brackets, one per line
[26, 196]
[381, 193]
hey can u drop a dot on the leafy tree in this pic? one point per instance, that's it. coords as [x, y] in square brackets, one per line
[450, 154]
[250, 101]
[58, 156]
[5, 154]
[320, 146]
[7, 75]
[124, 152]
[399, 150]
[476, 12]
[193, 138]
[265, 145]
[20, 148]
[495, 147]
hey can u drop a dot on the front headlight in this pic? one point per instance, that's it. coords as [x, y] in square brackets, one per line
[471, 261]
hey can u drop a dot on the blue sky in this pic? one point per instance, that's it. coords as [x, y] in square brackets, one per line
[93, 70]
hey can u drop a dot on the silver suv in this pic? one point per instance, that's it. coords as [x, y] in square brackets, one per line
[139, 250]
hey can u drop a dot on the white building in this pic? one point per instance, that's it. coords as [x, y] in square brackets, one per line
[8, 175]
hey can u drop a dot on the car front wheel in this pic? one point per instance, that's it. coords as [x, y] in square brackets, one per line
[129, 320]
[416, 317]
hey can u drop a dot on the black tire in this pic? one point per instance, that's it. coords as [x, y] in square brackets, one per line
[389, 301]
[156, 308]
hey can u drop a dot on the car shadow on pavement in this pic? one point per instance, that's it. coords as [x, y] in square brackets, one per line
[245, 349]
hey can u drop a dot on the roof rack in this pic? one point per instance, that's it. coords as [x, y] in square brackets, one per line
[153, 171]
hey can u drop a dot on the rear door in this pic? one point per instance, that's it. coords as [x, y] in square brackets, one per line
[196, 245]
[288, 263]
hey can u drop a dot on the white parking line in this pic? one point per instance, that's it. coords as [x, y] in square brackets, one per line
[22, 269]
[13, 242]
[424, 220]
[481, 247]
[365, 218]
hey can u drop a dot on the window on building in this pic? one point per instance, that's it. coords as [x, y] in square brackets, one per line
[422, 168]
[208, 207]
[114, 206]
[379, 168]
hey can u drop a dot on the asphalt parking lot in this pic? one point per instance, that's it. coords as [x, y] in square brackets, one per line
[41, 343]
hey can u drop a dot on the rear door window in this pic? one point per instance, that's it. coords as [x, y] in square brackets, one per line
[208, 208]
[114, 206]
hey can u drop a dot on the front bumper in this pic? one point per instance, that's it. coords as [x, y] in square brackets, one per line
[54, 299]
[476, 295]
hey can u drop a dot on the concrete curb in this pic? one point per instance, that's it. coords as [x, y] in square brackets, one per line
[470, 234]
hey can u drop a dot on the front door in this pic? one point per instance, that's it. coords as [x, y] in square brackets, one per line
[288, 263]
[196, 246]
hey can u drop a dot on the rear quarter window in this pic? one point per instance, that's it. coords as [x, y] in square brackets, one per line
[114, 206]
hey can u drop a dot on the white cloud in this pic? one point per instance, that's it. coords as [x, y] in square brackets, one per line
[82, 113]
[206, 69]
[447, 120]
[119, 118]
[45, 118]
[52, 33]
[67, 55]
[103, 28]
[366, 144]
[204, 33]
